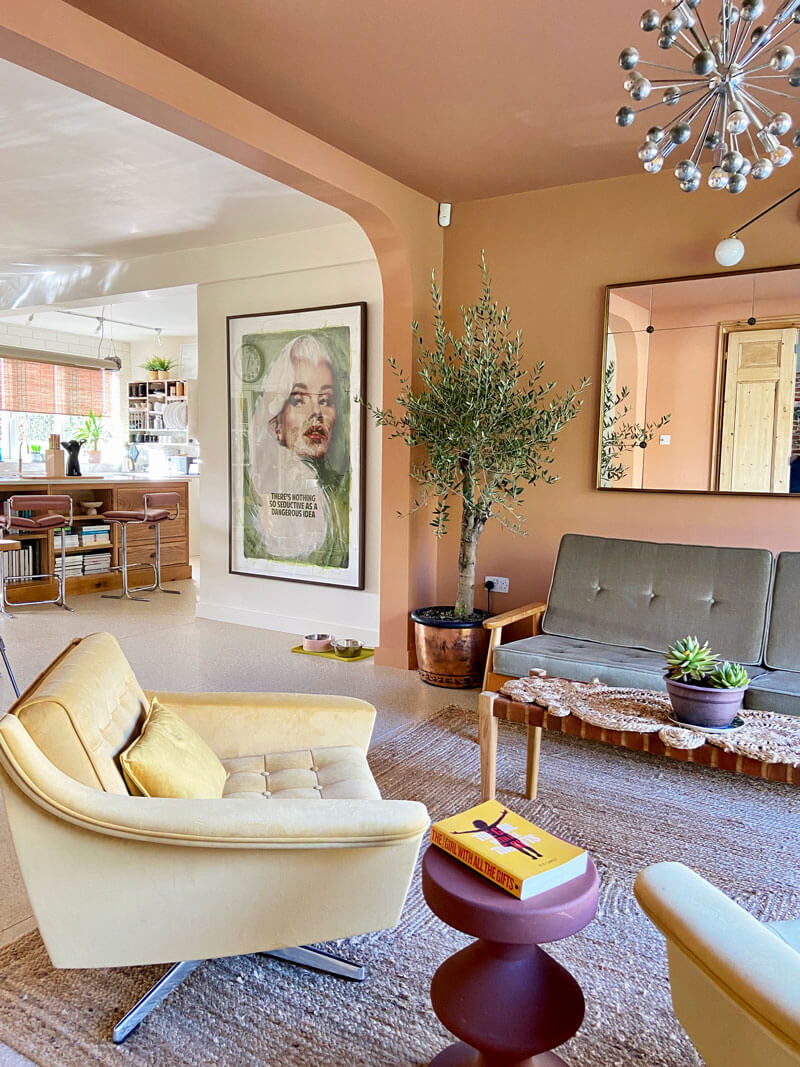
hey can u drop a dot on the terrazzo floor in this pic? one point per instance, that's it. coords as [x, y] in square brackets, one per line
[170, 649]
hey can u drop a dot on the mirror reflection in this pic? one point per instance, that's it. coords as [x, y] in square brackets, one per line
[700, 385]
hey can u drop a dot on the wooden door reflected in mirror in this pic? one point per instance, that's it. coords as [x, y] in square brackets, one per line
[701, 391]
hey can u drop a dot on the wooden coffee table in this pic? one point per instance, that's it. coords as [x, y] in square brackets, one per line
[493, 706]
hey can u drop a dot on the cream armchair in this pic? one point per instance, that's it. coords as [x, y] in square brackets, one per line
[300, 849]
[735, 981]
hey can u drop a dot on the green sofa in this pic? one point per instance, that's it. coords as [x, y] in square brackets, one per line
[615, 604]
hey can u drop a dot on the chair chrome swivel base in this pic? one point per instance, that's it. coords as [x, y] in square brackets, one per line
[303, 955]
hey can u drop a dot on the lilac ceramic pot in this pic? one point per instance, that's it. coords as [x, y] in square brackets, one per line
[698, 706]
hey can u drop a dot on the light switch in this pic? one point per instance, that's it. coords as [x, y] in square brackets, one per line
[665, 439]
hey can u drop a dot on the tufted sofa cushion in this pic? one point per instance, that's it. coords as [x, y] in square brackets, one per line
[783, 638]
[642, 594]
[339, 773]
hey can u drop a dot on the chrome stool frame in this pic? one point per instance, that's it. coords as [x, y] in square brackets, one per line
[156, 508]
[16, 523]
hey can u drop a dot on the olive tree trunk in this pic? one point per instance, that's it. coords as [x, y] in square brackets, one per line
[471, 530]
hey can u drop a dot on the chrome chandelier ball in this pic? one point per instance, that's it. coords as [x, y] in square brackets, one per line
[725, 78]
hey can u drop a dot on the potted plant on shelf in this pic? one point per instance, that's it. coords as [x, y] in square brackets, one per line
[158, 367]
[484, 427]
[91, 431]
[703, 691]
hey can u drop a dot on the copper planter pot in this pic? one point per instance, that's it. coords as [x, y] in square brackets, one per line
[451, 653]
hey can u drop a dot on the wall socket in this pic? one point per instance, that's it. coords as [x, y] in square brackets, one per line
[500, 584]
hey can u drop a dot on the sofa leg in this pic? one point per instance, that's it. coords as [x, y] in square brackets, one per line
[152, 998]
[320, 961]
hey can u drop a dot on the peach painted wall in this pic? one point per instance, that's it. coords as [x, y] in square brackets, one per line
[551, 254]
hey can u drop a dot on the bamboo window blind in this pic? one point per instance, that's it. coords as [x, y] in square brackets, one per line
[49, 388]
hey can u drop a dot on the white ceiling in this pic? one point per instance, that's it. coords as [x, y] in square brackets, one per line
[173, 311]
[80, 180]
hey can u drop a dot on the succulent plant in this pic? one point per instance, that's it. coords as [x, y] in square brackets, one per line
[689, 661]
[728, 676]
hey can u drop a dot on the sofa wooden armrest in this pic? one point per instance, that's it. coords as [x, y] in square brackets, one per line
[533, 612]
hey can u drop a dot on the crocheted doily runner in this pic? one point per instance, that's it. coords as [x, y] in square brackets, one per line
[766, 736]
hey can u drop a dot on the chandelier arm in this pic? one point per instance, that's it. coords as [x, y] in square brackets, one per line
[739, 39]
[774, 92]
[756, 102]
[726, 29]
[697, 38]
[682, 48]
[691, 111]
[667, 81]
[764, 66]
[753, 144]
[699, 18]
[690, 43]
[661, 66]
[698, 148]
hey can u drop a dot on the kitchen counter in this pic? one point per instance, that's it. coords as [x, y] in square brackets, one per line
[111, 491]
[106, 479]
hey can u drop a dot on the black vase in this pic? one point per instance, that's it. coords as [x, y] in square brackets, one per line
[72, 449]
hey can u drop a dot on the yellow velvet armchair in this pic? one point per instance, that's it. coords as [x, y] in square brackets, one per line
[735, 981]
[301, 848]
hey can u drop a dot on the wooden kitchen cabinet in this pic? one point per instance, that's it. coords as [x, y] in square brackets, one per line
[115, 495]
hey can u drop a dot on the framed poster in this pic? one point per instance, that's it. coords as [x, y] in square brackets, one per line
[297, 444]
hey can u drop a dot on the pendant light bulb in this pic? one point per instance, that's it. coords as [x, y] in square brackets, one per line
[729, 252]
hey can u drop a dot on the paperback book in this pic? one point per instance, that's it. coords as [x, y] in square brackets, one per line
[508, 850]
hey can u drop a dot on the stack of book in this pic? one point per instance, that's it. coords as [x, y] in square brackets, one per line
[96, 562]
[71, 540]
[96, 535]
[73, 566]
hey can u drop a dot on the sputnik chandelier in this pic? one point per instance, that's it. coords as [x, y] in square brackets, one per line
[732, 64]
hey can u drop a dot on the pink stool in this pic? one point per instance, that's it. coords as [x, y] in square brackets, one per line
[509, 1001]
[156, 508]
[46, 513]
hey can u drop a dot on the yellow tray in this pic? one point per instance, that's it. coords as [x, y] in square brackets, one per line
[365, 653]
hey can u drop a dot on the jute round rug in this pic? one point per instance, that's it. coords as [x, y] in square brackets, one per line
[628, 809]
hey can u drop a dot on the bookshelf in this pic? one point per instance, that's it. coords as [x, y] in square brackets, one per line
[158, 411]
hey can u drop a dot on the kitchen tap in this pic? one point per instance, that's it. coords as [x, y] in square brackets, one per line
[22, 444]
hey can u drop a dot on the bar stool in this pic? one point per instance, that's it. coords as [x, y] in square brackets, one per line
[46, 513]
[156, 508]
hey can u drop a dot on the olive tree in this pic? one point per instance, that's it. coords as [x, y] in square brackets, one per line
[483, 425]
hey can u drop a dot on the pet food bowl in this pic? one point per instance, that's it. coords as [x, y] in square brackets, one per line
[317, 643]
[347, 649]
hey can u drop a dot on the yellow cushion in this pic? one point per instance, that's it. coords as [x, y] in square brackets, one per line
[169, 759]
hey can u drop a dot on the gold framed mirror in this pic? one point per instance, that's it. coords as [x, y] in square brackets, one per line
[700, 384]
